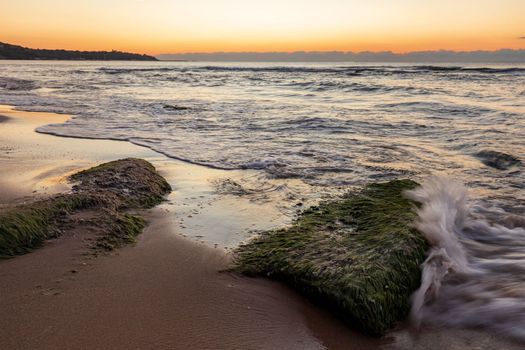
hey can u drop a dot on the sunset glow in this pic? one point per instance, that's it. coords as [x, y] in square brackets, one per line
[174, 26]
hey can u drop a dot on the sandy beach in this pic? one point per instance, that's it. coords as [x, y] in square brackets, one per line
[170, 290]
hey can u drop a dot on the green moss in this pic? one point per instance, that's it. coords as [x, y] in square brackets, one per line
[123, 228]
[359, 255]
[109, 188]
[23, 230]
[25, 227]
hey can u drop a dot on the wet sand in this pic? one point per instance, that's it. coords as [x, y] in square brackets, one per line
[165, 292]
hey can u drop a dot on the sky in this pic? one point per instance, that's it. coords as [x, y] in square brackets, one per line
[177, 26]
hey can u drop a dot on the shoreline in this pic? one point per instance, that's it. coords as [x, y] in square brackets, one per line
[166, 291]
[198, 210]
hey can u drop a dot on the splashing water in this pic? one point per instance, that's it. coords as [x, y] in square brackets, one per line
[474, 274]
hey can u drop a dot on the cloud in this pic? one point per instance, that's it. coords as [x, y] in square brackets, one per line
[522, 37]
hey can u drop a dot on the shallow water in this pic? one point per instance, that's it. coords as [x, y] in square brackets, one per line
[327, 124]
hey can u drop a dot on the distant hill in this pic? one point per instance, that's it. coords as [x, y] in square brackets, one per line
[15, 52]
[499, 56]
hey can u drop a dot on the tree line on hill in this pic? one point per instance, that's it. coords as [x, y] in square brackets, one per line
[15, 52]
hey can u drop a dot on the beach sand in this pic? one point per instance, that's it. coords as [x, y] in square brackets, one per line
[166, 291]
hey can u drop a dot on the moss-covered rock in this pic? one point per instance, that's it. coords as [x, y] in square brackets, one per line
[108, 189]
[134, 182]
[359, 255]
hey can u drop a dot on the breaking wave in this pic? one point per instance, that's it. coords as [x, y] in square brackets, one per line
[474, 275]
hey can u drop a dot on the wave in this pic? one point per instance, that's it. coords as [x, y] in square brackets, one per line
[474, 273]
[132, 70]
[15, 84]
[367, 69]
[438, 109]
[486, 70]
[343, 70]
[349, 86]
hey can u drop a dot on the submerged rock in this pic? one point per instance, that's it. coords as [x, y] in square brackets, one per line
[106, 191]
[498, 160]
[229, 186]
[175, 108]
[359, 255]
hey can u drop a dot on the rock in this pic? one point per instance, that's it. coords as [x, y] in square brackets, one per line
[175, 108]
[108, 190]
[359, 255]
[497, 160]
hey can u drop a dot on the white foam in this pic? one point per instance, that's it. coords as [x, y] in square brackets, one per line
[474, 273]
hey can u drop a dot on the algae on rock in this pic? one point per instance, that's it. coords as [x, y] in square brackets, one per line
[108, 189]
[359, 255]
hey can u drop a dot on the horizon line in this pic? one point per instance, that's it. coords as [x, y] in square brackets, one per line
[337, 51]
[504, 55]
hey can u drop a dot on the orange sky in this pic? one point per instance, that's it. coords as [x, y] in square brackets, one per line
[175, 26]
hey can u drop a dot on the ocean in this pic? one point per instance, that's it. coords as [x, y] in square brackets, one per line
[328, 124]
[458, 129]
